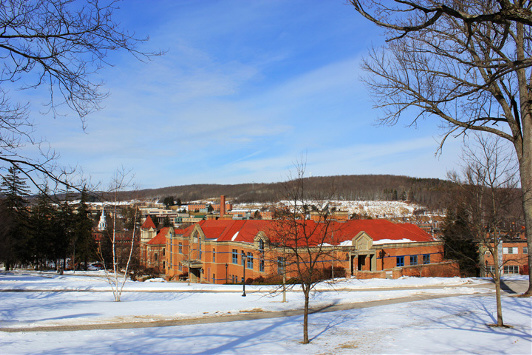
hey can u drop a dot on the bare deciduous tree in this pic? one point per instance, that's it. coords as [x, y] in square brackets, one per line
[122, 180]
[487, 187]
[389, 14]
[466, 62]
[304, 246]
[56, 45]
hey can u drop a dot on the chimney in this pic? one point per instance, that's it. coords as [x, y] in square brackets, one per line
[222, 206]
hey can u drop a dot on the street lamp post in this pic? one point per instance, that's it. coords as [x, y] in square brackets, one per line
[225, 272]
[382, 254]
[244, 257]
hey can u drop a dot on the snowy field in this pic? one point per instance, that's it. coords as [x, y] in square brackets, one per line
[453, 324]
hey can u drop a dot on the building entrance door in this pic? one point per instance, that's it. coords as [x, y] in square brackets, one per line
[195, 274]
[361, 262]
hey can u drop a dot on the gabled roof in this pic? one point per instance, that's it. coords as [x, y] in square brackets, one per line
[232, 230]
[160, 238]
[148, 223]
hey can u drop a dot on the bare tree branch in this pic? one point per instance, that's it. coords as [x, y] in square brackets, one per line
[58, 45]
[467, 63]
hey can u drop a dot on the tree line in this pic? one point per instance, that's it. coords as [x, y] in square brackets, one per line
[45, 235]
[427, 192]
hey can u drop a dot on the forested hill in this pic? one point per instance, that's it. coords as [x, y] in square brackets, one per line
[428, 192]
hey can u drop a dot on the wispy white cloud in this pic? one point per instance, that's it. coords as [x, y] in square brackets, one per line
[243, 89]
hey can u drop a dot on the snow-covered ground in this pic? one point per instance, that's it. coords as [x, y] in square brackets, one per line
[455, 324]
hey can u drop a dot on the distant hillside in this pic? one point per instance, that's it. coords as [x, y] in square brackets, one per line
[428, 192]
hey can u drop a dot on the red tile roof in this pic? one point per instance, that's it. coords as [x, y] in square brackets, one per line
[236, 230]
[160, 238]
[180, 231]
[148, 223]
[377, 229]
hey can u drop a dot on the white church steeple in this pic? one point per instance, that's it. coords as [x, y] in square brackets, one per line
[102, 225]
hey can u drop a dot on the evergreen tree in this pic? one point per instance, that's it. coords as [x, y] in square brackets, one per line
[459, 241]
[85, 246]
[64, 243]
[43, 218]
[169, 201]
[15, 236]
[167, 222]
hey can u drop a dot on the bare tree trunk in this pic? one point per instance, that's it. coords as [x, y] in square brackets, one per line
[526, 186]
[115, 263]
[523, 147]
[284, 286]
[306, 292]
[497, 281]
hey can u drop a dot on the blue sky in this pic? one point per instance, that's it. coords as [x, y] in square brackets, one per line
[245, 89]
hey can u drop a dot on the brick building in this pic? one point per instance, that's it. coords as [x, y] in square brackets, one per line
[221, 251]
[156, 250]
[148, 231]
[513, 256]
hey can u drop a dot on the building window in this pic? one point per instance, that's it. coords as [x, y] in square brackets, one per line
[199, 247]
[510, 250]
[213, 255]
[250, 261]
[155, 256]
[413, 259]
[164, 251]
[180, 267]
[261, 246]
[261, 265]
[400, 261]
[426, 258]
[243, 258]
[280, 265]
[525, 250]
[490, 269]
[180, 248]
[511, 269]
[235, 256]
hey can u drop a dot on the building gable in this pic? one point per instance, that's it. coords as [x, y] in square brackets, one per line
[362, 241]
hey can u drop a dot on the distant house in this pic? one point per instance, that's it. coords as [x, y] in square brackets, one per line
[221, 251]
[513, 256]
